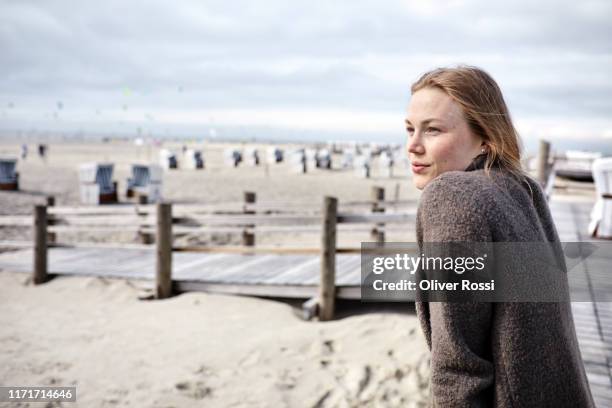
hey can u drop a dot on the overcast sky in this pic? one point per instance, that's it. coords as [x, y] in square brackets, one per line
[346, 67]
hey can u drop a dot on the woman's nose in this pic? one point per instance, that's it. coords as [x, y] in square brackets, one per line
[414, 146]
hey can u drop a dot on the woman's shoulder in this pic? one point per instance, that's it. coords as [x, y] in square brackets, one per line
[459, 188]
[456, 206]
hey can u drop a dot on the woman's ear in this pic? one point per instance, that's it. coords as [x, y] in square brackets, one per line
[484, 148]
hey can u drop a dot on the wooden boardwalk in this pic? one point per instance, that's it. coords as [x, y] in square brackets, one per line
[593, 319]
[297, 276]
[291, 276]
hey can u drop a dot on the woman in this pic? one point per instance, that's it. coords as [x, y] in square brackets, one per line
[465, 156]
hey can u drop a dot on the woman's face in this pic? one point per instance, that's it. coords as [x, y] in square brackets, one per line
[439, 138]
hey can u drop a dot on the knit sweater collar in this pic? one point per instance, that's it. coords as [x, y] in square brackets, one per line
[478, 163]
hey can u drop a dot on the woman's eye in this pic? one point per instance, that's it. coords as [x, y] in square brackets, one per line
[432, 130]
[410, 130]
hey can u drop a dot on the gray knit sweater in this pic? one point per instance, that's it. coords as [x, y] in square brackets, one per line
[496, 354]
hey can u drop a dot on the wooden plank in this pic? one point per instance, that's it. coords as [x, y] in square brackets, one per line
[68, 256]
[100, 228]
[310, 308]
[407, 218]
[15, 220]
[293, 274]
[309, 274]
[243, 250]
[103, 245]
[285, 269]
[218, 267]
[303, 206]
[269, 268]
[16, 244]
[314, 229]
[100, 220]
[195, 264]
[245, 271]
[178, 229]
[101, 210]
[281, 291]
[277, 291]
[348, 270]
[257, 219]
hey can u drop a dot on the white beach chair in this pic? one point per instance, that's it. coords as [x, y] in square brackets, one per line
[146, 181]
[193, 159]
[274, 155]
[9, 178]
[601, 215]
[167, 159]
[385, 164]
[311, 158]
[348, 157]
[96, 183]
[232, 157]
[323, 159]
[362, 166]
[251, 156]
[298, 161]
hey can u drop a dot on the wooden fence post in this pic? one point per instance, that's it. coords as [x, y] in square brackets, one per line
[543, 158]
[145, 237]
[378, 198]
[327, 287]
[116, 193]
[40, 244]
[51, 237]
[163, 274]
[396, 196]
[248, 237]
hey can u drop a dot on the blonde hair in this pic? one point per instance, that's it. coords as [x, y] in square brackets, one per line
[484, 109]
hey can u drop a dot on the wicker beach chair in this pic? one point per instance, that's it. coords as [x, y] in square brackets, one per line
[385, 164]
[232, 157]
[274, 155]
[251, 156]
[9, 178]
[167, 159]
[362, 165]
[146, 181]
[96, 183]
[298, 161]
[348, 156]
[323, 159]
[193, 159]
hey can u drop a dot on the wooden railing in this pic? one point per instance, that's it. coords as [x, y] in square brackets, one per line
[162, 222]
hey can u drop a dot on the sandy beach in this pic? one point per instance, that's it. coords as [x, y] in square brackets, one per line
[199, 349]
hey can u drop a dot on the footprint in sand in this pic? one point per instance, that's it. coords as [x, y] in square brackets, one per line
[204, 370]
[251, 359]
[196, 390]
[327, 347]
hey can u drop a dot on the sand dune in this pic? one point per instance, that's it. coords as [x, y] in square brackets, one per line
[198, 349]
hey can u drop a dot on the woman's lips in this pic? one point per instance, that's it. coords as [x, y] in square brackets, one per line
[419, 168]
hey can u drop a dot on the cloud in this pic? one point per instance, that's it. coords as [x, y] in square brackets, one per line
[552, 59]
